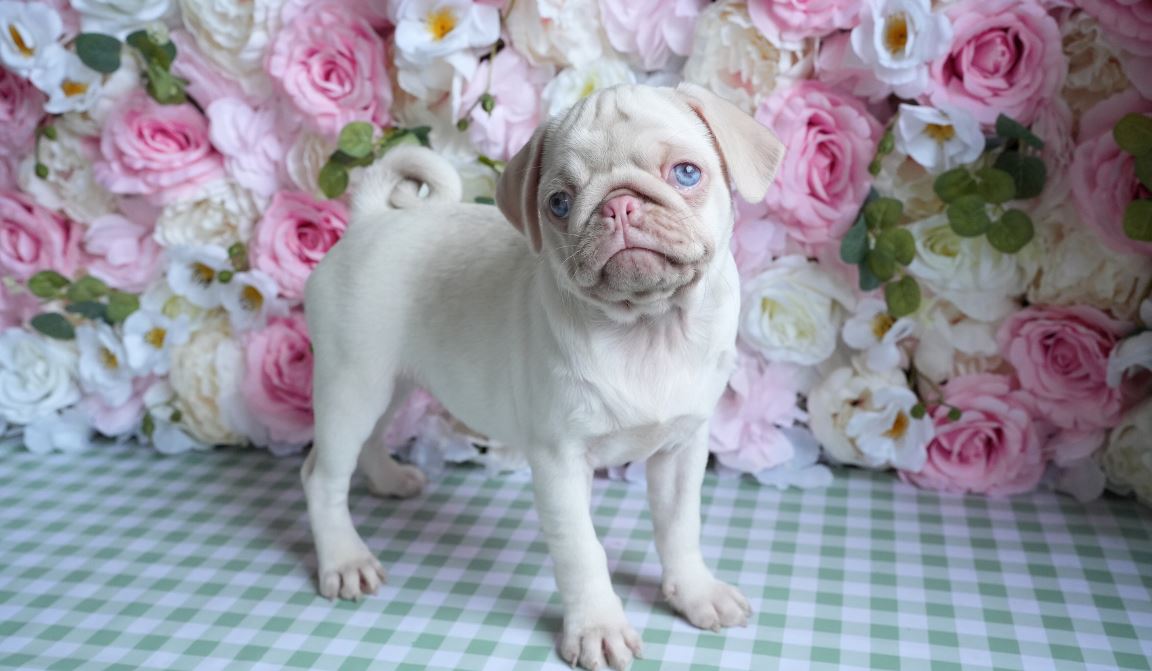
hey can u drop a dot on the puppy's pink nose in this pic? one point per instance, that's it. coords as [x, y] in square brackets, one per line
[624, 209]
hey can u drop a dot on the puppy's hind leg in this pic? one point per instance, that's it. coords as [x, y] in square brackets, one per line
[387, 477]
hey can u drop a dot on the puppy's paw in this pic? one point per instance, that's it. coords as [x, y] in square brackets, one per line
[352, 578]
[708, 603]
[601, 641]
[396, 480]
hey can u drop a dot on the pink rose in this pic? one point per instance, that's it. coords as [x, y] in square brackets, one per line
[8, 171]
[1103, 176]
[838, 65]
[760, 399]
[1006, 57]
[277, 384]
[787, 22]
[331, 65]
[516, 85]
[296, 232]
[34, 239]
[1061, 359]
[653, 32]
[122, 253]
[831, 139]
[1126, 23]
[248, 138]
[161, 151]
[206, 82]
[21, 106]
[995, 446]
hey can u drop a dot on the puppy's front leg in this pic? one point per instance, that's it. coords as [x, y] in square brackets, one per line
[674, 479]
[596, 631]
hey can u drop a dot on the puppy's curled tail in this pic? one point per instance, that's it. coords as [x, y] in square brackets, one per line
[395, 181]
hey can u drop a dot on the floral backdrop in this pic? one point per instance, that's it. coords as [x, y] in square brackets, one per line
[949, 277]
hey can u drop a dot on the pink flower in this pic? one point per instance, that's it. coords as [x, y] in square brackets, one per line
[34, 239]
[156, 150]
[21, 106]
[1061, 359]
[787, 22]
[995, 446]
[760, 399]
[206, 82]
[653, 32]
[16, 306]
[516, 86]
[831, 139]
[248, 139]
[277, 384]
[756, 238]
[838, 65]
[295, 233]
[1126, 23]
[406, 422]
[1006, 57]
[1103, 176]
[120, 419]
[122, 253]
[331, 65]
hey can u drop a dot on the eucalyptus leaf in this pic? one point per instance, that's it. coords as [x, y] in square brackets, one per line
[968, 217]
[164, 87]
[153, 52]
[868, 279]
[121, 305]
[1144, 170]
[484, 200]
[953, 184]
[1027, 172]
[99, 52]
[897, 243]
[54, 325]
[333, 179]
[1007, 127]
[47, 284]
[1138, 220]
[854, 244]
[86, 288]
[996, 186]
[349, 161]
[356, 139]
[881, 263]
[902, 296]
[1133, 134]
[883, 213]
[1011, 232]
[94, 310]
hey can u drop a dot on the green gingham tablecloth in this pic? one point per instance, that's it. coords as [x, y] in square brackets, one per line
[122, 559]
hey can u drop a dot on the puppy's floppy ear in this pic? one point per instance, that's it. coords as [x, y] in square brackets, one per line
[516, 191]
[750, 152]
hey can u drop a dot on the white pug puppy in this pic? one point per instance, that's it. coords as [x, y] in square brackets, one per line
[608, 337]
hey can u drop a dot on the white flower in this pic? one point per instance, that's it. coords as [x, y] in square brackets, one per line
[193, 273]
[575, 83]
[66, 431]
[936, 139]
[70, 185]
[250, 299]
[36, 376]
[119, 17]
[72, 87]
[307, 155]
[233, 36]
[223, 214]
[1127, 456]
[793, 311]
[801, 471]
[865, 419]
[898, 38]
[971, 274]
[560, 32]
[876, 332]
[431, 30]
[907, 181]
[112, 91]
[167, 436]
[205, 377]
[28, 37]
[951, 344]
[149, 337]
[733, 59]
[103, 367]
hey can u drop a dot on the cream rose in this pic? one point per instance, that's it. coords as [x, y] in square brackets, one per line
[36, 376]
[560, 32]
[70, 185]
[951, 344]
[575, 83]
[224, 214]
[1127, 456]
[1094, 71]
[305, 158]
[205, 371]
[233, 36]
[119, 17]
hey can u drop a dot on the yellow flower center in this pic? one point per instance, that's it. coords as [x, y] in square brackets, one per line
[769, 307]
[18, 40]
[589, 87]
[881, 324]
[108, 359]
[251, 299]
[155, 337]
[202, 274]
[899, 427]
[441, 22]
[896, 33]
[940, 132]
[73, 89]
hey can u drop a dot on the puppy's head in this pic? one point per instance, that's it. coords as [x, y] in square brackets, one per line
[627, 193]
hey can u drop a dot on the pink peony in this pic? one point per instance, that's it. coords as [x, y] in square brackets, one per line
[122, 253]
[295, 233]
[21, 107]
[34, 239]
[838, 65]
[516, 86]
[831, 139]
[1006, 57]
[760, 399]
[156, 150]
[652, 32]
[249, 140]
[277, 384]
[331, 65]
[1103, 176]
[1061, 359]
[756, 238]
[787, 22]
[995, 446]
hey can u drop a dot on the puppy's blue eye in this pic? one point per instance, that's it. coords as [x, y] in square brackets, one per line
[686, 174]
[560, 204]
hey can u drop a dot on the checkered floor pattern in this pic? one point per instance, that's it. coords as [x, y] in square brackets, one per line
[121, 559]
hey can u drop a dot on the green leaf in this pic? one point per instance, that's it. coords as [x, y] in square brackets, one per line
[902, 296]
[854, 244]
[918, 411]
[887, 143]
[356, 139]
[1133, 133]
[333, 179]
[883, 213]
[99, 52]
[148, 425]
[487, 102]
[152, 51]
[881, 263]
[953, 184]
[54, 325]
[1007, 127]
[47, 284]
[163, 86]
[484, 200]
[1138, 220]
[351, 161]
[89, 309]
[996, 186]
[121, 305]
[462, 124]
[897, 243]
[954, 414]
[49, 132]
[968, 217]
[874, 167]
[868, 279]
[41, 170]
[421, 133]
[1011, 232]
[1144, 170]
[1028, 172]
[86, 288]
[497, 166]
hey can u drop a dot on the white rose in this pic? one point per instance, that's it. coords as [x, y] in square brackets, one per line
[936, 139]
[1127, 456]
[205, 371]
[951, 344]
[1094, 71]
[305, 158]
[897, 39]
[28, 41]
[67, 431]
[70, 185]
[103, 367]
[573, 84]
[119, 17]
[793, 312]
[733, 59]
[865, 419]
[224, 213]
[560, 32]
[36, 376]
[968, 272]
[233, 37]
[907, 181]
